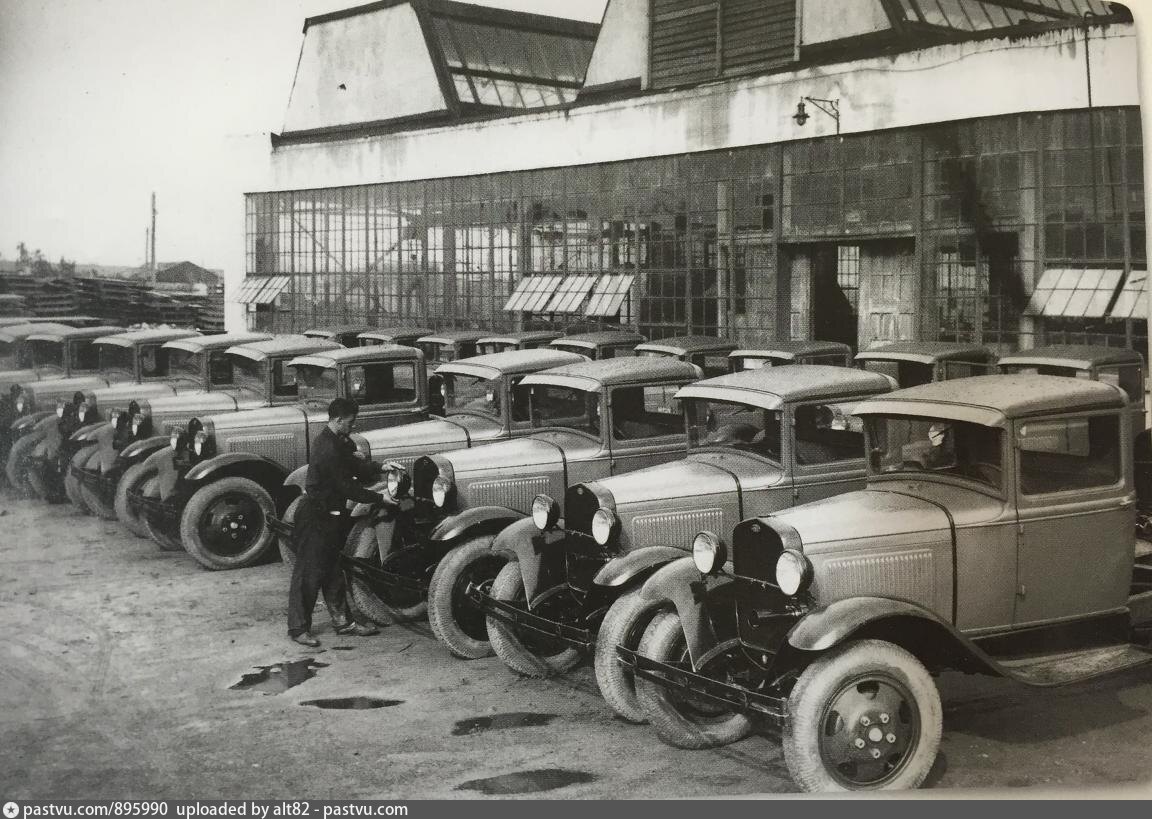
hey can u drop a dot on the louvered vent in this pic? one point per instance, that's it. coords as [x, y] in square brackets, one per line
[515, 493]
[676, 529]
[279, 448]
[906, 575]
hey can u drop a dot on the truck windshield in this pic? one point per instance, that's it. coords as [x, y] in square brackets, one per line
[565, 407]
[751, 362]
[84, 355]
[7, 355]
[489, 347]
[906, 373]
[729, 425]
[317, 383]
[250, 375]
[47, 354]
[114, 357]
[909, 446]
[185, 364]
[471, 394]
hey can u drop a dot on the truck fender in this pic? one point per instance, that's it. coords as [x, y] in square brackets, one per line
[681, 584]
[264, 471]
[360, 510]
[530, 548]
[87, 433]
[138, 451]
[907, 624]
[480, 520]
[297, 477]
[620, 571]
[26, 423]
[163, 460]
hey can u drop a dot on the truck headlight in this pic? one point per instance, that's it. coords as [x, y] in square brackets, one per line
[114, 417]
[174, 440]
[82, 410]
[199, 441]
[708, 552]
[545, 512]
[441, 488]
[137, 422]
[603, 526]
[793, 572]
[60, 404]
[399, 482]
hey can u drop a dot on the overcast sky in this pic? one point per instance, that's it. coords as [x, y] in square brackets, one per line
[104, 101]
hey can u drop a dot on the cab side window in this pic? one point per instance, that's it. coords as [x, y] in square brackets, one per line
[646, 412]
[521, 401]
[382, 383]
[1128, 378]
[826, 433]
[1068, 454]
[283, 380]
[712, 365]
[219, 369]
[85, 356]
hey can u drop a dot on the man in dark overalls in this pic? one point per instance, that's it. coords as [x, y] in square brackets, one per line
[334, 477]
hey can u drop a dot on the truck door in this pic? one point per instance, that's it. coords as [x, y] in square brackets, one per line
[388, 393]
[827, 451]
[647, 426]
[1076, 517]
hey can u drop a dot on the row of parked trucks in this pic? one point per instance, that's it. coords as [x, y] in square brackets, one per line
[788, 538]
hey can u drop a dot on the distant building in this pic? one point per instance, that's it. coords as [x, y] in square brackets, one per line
[876, 170]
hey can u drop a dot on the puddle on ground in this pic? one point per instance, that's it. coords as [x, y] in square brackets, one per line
[498, 722]
[548, 779]
[278, 678]
[352, 703]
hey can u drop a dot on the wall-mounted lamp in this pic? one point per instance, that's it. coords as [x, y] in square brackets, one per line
[829, 107]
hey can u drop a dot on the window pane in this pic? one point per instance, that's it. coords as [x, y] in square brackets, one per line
[1069, 454]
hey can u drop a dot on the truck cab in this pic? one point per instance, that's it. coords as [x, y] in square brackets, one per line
[780, 353]
[404, 335]
[708, 353]
[346, 335]
[451, 345]
[601, 344]
[523, 340]
[912, 363]
[985, 501]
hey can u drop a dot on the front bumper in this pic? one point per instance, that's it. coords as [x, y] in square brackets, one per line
[579, 638]
[282, 529]
[754, 703]
[380, 580]
[158, 512]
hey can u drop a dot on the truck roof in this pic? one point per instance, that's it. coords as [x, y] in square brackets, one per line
[287, 345]
[522, 336]
[19, 332]
[773, 387]
[389, 333]
[1078, 356]
[73, 332]
[333, 330]
[217, 341]
[686, 345]
[357, 355]
[926, 352]
[134, 337]
[993, 400]
[593, 376]
[453, 336]
[601, 338]
[511, 362]
[792, 349]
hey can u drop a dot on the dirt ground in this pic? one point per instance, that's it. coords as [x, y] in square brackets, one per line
[116, 661]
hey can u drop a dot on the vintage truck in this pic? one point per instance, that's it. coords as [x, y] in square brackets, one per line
[449, 345]
[708, 353]
[138, 364]
[589, 420]
[61, 357]
[482, 405]
[600, 344]
[780, 353]
[404, 335]
[135, 426]
[913, 363]
[758, 441]
[995, 536]
[346, 335]
[521, 340]
[222, 478]
[16, 354]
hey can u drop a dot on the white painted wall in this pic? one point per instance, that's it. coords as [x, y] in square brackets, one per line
[621, 51]
[381, 59]
[950, 82]
[824, 20]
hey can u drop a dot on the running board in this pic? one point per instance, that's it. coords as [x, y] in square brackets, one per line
[1066, 667]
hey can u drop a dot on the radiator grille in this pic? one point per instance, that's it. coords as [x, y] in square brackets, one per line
[167, 425]
[580, 504]
[907, 575]
[279, 448]
[515, 493]
[676, 528]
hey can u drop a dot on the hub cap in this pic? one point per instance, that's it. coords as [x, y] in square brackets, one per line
[232, 524]
[869, 731]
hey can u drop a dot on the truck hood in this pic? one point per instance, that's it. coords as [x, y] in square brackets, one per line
[407, 442]
[49, 391]
[10, 377]
[120, 394]
[541, 450]
[697, 476]
[867, 514]
[266, 417]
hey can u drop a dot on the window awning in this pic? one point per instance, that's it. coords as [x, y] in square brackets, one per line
[533, 293]
[261, 289]
[609, 295]
[570, 297]
[1068, 293]
[1132, 301]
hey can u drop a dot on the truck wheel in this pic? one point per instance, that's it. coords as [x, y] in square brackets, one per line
[133, 477]
[455, 623]
[402, 606]
[624, 624]
[223, 525]
[864, 716]
[91, 498]
[287, 551]
[683, 721]
[530, 656]
[14, 467]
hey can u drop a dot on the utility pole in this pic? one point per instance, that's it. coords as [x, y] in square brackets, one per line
[147, 246]
[152, 268]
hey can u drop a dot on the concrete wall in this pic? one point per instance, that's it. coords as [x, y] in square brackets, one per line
[944, 83]
[621, 51]
[381, 60]
[822, 21]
